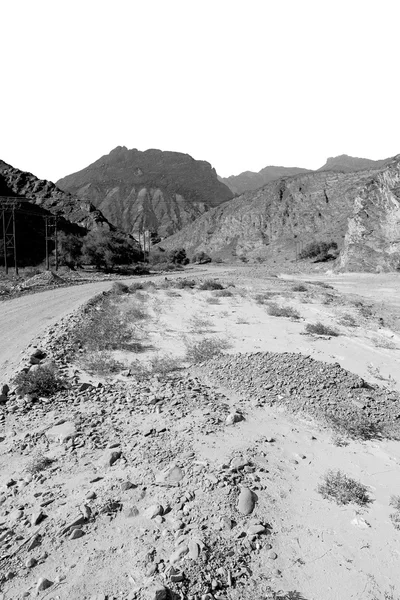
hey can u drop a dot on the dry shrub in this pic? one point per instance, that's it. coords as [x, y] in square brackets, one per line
[300, 287]
[213, 301]
[223, 294]
[380, 341]
[100, 363]
[205, 349]
[342, 489]
[348, 320]
[395, 516]
[211, 284]
[43, 381]
[282, 311]
[105, 327]
[118, 288]
[200, 324]
[38, 463]
[320, 329]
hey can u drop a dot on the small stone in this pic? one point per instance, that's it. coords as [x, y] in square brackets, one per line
[30, 562]
[126, 485]
[272, 555]
[43, 584]
[131, 512]
[75, 534]
[153, 511]
[156, 592]
[194, 550]
[61, 433]
[246, 502]
[37, 517]
[91, 495]
[234, 418]
[178, 554]
[110, 458]
[255, 530]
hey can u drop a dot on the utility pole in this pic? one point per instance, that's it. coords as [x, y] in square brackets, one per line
[15, 241]
[4, 241]
[55, 242]
[46, 237]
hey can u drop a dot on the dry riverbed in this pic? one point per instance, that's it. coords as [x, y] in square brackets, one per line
[153, 475]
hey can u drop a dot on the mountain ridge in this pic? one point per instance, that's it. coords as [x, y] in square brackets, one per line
[154, 189]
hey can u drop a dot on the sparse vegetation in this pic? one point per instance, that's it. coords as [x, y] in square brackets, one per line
[213, 300]
[347, 320]
[275, 310]
[381, 341]
[43, 381]
[376, 372]
[223, 293]
[342, 489]
[200, 324]
[135, 286]
[201, 258]
[105, 327]
[205, 349]
[38, 463]
[118, 288]
[300, 287]
[320, 250]
[100, 363]
[264, 297]
[321, 329]
[211, 284]
[183, 283]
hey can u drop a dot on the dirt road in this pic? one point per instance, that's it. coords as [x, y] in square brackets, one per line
[23, 319]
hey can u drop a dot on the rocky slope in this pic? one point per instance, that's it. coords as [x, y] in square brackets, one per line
[249, 180]
[358, 210]
[274, 218]
[372, 239]
[161, 191]
[48, 196]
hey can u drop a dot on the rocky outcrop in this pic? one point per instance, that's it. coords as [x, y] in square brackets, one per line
[160, 191]
[249, 180]
[372, 241]
[277, 217]
[348, 164]
[48, 196]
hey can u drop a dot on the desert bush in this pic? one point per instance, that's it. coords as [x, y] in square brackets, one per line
[162, 365]
[105, 327]
[380, 341]
[342, 489]
[43, 381]
[275, 310]
[205, 349]
[135, 286]
[300, 287]
[320, 329]
[201, 258]
[320, 250]
[136, 312]
[118, 288]
[223, 293]
[213, 300]
[100, 363]
[183, 283]
[211, 284]
[348, 320]
[264, 297]
[200, 324]
[38, 463]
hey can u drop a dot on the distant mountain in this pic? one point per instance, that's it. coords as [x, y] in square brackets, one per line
[359, 210]
[249, 180]
[347, 164]
[160, 191]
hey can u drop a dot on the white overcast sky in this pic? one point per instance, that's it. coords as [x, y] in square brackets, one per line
[241, 84]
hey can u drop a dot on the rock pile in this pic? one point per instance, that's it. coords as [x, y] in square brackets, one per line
[303, 384]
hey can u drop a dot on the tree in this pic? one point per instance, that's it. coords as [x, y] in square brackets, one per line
[178, 256]
[106, 249]
[201, 258]
[69, 248]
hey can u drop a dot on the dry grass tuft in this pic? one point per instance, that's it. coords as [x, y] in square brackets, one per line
[342, 489]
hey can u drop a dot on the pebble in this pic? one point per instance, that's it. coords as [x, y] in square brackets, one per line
[43, 584]
[246, 501]
[75, 534]
[110, 458]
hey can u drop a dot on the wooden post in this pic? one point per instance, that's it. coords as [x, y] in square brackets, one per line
[55, 243]
[46, 236]
[5, 241]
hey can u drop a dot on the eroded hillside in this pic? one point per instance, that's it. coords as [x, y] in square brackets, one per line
[161, 191]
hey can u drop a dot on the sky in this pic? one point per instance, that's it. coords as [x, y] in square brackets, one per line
[241, 84]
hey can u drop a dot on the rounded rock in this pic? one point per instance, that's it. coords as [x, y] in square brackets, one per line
[246, 501]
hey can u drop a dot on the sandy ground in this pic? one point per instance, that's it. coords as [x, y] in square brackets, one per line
[325, 551]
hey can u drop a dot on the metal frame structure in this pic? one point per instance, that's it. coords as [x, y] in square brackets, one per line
[9, 208]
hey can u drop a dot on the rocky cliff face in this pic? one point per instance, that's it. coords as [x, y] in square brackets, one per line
[372, 241]
[161, 191]
[277, 217]
[48, 196]
[249, 180]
